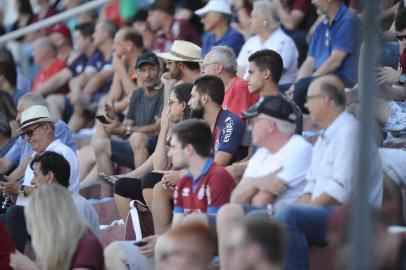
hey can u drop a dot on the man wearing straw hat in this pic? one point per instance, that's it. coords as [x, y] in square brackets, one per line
[38, 128]
[182, 61]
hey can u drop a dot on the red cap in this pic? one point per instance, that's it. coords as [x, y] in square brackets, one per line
[60, 28]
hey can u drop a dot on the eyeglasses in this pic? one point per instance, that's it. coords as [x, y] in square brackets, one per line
[30, 132]
[205, 65]
[400, 37]
[313, 97]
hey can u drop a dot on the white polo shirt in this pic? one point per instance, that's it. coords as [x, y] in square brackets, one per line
[279, 42]
[335, 156]
[295, 157]
[58, 147]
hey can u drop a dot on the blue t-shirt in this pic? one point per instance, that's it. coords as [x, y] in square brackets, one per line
[78, 65]
[228, 133]
[22, 148]
[231, 38]
[341, 35]
[6, 148]
[96, 61]
[17, 94]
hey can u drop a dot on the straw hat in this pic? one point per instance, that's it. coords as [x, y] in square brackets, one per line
[222, 6]
[184, 51]
[35, 114]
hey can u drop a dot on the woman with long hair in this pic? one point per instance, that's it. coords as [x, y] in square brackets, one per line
[130, 188]
[58, 236]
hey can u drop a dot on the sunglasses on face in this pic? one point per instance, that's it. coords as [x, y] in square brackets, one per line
[30, 132]
[400, 37]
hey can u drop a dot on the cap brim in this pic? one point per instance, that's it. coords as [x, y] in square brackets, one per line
[52, 120]
[250, 113]
[171, 57]
[146, 62]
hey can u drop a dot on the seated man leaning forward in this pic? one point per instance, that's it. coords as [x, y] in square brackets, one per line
[276, 172]
[38, 128]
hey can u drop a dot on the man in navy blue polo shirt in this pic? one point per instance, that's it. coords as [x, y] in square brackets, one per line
[334, 48]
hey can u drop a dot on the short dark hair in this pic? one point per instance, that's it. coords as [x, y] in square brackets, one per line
[191, 65]
[196, 132]
[400, 20]
[9, 70]
[134, 38]
[268, 59]
[269, 235]
[336, 94]
[54, 162]
[85, 29]
[212, 86]
[25, 7]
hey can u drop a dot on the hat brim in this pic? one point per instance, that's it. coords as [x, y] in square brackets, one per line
[50, 120]
[201, 12]
[171, 57]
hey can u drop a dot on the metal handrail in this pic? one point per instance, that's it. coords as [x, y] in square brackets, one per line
[52, 20]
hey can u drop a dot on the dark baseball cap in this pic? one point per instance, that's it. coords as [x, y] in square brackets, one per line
[147, 58]
[274, 106]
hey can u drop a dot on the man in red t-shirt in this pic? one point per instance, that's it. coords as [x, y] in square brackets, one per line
[207, 186]
[45, 56]
[221, 62]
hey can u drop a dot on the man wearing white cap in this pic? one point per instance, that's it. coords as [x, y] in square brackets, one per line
[37, 126]
[183, 63]
[216, 18]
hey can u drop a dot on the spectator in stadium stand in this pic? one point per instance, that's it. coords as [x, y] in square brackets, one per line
[61, 37]
[59, 238]
[45, 56]
[168, 29]
[216, 18]
[6, 247]
[256, 244]
[182, 61]
[265, 24]
[220, 61]
[333, 49]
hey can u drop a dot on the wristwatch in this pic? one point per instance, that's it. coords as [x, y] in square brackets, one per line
[128, 131]
[402, 79]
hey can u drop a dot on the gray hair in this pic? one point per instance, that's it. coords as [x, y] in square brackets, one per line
[225, 56]
[267, 9]
[284, 126]
[30, 99]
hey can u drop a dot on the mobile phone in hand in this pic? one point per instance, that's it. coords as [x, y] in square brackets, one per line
[140, 243]
[102, 119]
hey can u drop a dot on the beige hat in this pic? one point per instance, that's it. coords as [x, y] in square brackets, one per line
[184, 51]
[35, 114]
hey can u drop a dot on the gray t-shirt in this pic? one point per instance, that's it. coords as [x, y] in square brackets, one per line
[87, 213]
[145, 110]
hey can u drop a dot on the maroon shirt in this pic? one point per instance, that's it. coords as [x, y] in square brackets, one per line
[181, 30]
[6, 247]
[207, 193]
[89, 253]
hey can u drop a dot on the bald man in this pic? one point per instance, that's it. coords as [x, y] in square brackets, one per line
[45, 55]
[332, 172]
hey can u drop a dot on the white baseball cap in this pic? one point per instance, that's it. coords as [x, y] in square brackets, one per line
[222, 6]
